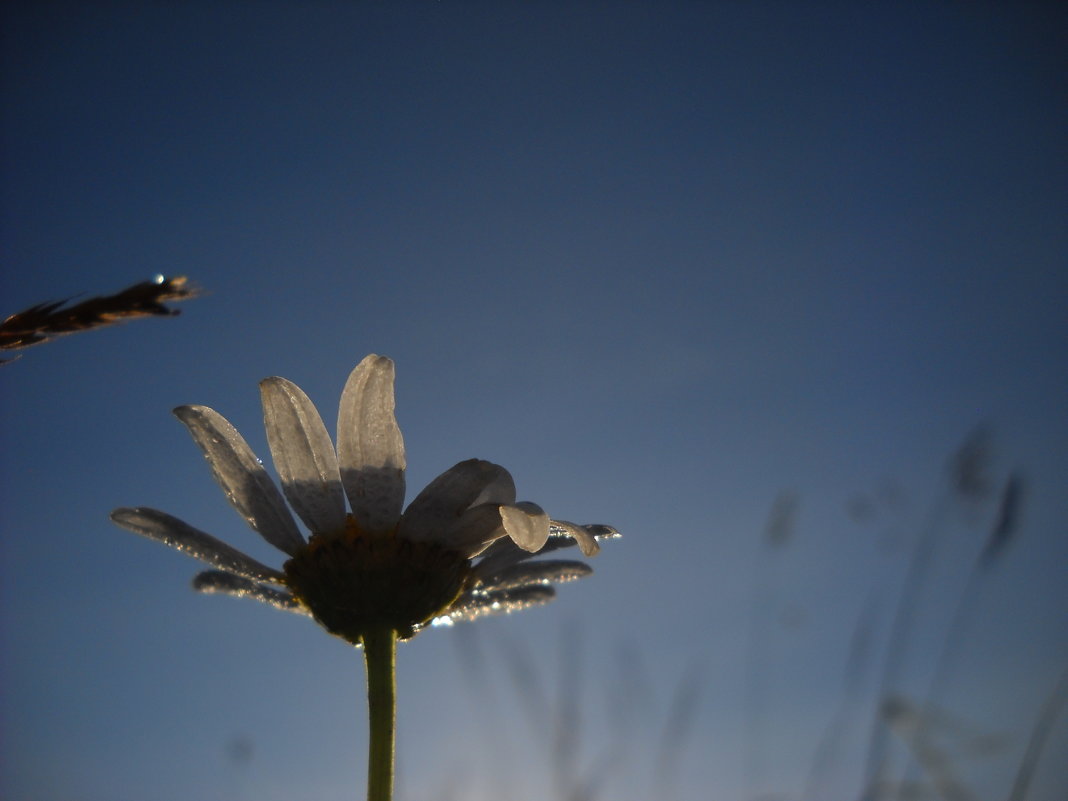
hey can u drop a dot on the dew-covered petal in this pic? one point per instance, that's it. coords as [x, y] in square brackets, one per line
[171, 531]
[242, 477]
[432, 515]
[476, 605]
[213, 581]
[542, 571]
[303, 455]
[370, 448]
[527, 525]
[602, 532]
[503, 552]
[587, 542]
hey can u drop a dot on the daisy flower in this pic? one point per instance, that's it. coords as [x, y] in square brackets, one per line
[374, 566]
[373, 574]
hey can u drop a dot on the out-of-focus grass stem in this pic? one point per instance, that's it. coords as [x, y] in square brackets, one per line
[1039, 734]
[826, 752]
[968, 481]
[897, 639]
[1001, 534]
[778, 531]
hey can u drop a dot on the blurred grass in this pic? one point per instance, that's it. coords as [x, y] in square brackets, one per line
[645, 742]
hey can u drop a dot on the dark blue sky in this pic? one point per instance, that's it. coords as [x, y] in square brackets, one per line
[663, 261]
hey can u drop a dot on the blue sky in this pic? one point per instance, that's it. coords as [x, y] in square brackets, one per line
[664, 262]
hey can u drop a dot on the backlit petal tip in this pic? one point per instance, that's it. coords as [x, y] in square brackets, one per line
[171, 531]
[436, 509]
[370, 447]
[303, 456]
[602, 532]
[214, 582]
[526, 524]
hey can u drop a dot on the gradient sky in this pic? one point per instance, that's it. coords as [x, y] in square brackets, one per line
[665, 262]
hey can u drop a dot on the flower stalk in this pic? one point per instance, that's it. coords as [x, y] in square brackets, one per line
[380, 657]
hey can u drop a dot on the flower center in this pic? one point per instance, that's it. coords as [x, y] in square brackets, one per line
[357, 583]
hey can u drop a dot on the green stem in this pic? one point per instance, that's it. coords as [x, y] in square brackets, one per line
[380, 656]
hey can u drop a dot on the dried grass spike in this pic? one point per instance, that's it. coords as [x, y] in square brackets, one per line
[42, 322]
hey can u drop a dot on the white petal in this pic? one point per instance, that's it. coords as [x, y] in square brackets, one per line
[499, 490]
[212, 581]
[475, 530]
[171, 531]
[526, 524]
[370, 448]
[303, 455]
[435, 511]
[242, 477]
